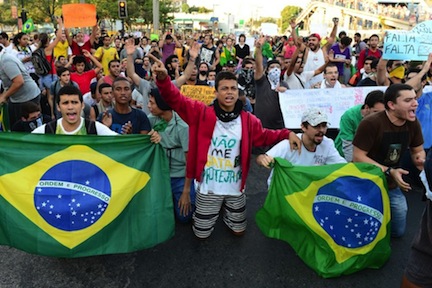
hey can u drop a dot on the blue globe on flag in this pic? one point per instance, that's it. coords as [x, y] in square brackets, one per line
[72, 201]
[352, 220]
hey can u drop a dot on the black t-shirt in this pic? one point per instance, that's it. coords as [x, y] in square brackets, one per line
[242, 52]
[367, 82]
[267, 107]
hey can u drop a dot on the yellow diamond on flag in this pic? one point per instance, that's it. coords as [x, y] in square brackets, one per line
[74, 193]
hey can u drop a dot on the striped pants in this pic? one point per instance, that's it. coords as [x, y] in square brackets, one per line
[207, 208]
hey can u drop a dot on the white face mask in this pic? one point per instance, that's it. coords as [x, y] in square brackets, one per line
[274, 77]
[211, 83]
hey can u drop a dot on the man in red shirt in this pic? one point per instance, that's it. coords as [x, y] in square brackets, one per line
[371, 51]
[78, 45]
[81, 77]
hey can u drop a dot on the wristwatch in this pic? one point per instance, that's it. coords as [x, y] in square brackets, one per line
[387, 172]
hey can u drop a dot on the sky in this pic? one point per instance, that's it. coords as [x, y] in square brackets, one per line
[246, 9]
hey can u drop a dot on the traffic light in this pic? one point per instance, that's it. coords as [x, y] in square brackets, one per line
[122, 9]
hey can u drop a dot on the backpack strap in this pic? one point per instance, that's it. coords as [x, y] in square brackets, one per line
[51, 127]
[90, 126]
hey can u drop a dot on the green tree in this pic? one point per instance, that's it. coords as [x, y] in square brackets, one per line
[166, 9]
[44, 10]
[6, 14]
[185, 8]
[288, 13]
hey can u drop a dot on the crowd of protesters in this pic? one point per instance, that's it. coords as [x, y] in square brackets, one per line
[131, 85]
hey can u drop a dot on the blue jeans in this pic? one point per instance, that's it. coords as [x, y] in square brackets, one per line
[399, 209]
[177, 184]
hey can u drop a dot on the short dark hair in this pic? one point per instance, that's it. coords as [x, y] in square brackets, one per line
[29, 107]
[346, 41]
[331, 65]
[69, 90]
[118, 79]
[357, 34]
[4, 35]
[416, 70]
[224, 75]
[342, 34]
[113, 61]
[79, 59]
[248, 61]
[393, 92]
[374, 60]
[61, 70]
[373, 97]
[102, 86]
[374, 35]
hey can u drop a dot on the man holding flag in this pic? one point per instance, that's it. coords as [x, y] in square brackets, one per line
[383, 137]
[317, 149]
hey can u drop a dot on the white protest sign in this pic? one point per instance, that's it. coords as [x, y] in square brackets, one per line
[334, 102]
[409, 45]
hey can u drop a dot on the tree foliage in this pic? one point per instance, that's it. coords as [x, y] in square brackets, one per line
[43, 10]
[288, 13]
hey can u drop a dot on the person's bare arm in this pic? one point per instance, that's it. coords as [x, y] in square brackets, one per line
[16, 84]
[360, 155]
[162, 41]
[322, 67]
[50, 47]
[94, 60]
[418, 156]
[381, 74]
[332, 37]
[416, 80]
[259, 69]
[193, 54]
[130, 67]
[93, 35]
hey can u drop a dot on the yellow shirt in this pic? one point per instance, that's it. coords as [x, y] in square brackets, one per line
[61, 49]
[179, 52]
[107, 55]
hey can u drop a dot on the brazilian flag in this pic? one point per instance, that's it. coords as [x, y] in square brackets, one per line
[336, 217]
[77, 196]
[28, 26]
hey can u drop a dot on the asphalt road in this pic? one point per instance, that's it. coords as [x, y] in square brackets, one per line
[221, 261]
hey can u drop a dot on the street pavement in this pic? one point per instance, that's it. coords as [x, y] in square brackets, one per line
[223, 260]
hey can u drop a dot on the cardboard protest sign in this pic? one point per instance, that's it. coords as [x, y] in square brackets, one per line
[204, 94]
[79, 15]
[409, 45]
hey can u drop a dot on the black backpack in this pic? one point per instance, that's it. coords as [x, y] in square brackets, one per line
[40, 63]
[51, 127]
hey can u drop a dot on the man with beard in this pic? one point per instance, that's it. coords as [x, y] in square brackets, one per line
[315, 57]
[317, 149]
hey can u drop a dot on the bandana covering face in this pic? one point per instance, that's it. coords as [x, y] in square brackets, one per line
[398, 72]
[274, 77]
